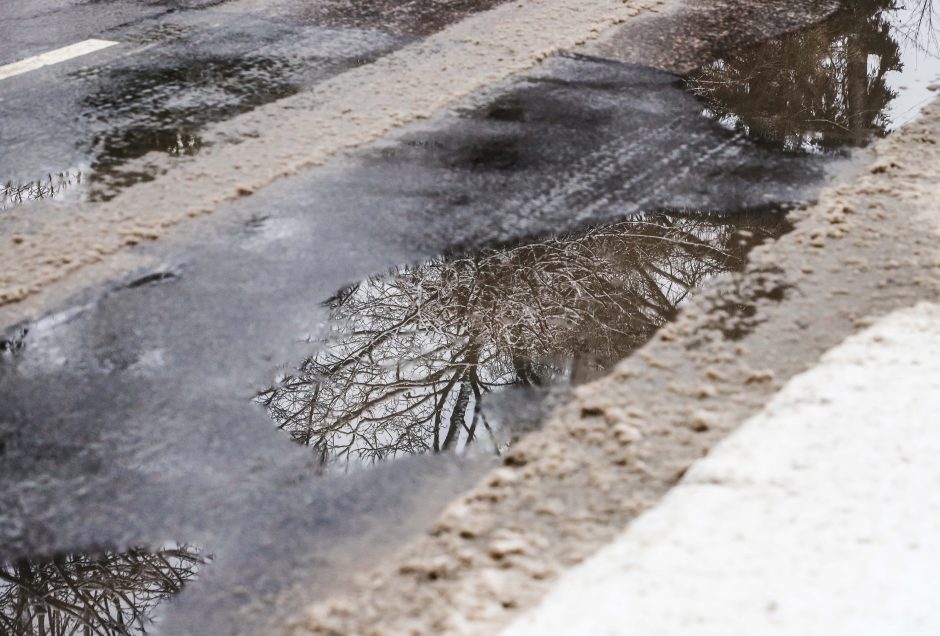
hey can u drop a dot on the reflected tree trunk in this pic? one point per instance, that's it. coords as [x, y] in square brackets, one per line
[410, 354]
[816, 89]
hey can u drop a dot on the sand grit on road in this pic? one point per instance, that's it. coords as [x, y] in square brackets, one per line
[830, 489]
[868, 247]
[43, 247]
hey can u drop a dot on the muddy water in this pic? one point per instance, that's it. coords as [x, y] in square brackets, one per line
[603, 196]
[854, 77]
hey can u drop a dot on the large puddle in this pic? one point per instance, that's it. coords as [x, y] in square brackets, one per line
[604, 196]
[412, 357]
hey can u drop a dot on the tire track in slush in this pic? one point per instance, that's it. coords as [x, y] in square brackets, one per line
[285, 137]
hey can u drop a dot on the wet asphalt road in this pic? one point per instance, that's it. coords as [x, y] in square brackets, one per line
[178, 66]
[127, 417]
[132, 422]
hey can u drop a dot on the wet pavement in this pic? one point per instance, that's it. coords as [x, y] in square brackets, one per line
[83, 128]
[535, 237]
[156, 90]
[177, 67]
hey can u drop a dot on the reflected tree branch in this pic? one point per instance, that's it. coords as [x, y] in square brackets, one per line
[411, 356]
[816, 89]
[112, 594]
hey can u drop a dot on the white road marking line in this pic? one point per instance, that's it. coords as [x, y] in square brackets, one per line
[53, 57]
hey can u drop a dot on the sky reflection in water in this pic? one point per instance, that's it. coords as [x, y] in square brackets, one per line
[412, 356]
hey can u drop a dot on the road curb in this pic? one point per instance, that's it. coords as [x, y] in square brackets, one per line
[818, 516]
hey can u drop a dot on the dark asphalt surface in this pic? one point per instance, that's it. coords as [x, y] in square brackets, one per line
[42, 25]
[131, 421]
[126, 418]
[178, 66]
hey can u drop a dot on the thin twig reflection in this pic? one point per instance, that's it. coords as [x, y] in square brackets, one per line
[112, 594]
[412, 355]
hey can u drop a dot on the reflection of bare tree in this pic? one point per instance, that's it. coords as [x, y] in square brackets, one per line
[51, 186]
[921, 29]
[107, 595]
[413, 354]
[818, 88]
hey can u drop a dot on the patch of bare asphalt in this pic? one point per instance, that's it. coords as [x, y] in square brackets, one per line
[254, 149]
[868, 247]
